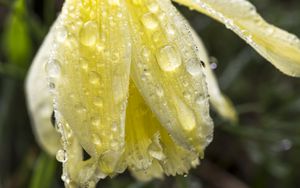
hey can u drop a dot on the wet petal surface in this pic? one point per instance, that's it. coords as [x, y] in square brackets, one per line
[279, 47]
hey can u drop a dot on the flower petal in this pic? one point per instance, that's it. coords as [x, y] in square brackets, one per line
[149, 150]
[220, 102]
[40, 102]
[166, 70]
[89, 76]
[279, 47]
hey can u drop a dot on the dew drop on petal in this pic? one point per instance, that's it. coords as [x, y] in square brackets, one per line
[61, 34]
[61, 156]
[193, 67]
[53, 68]
[149, 21]
[168, 58]
[152, 6]
[89, 33]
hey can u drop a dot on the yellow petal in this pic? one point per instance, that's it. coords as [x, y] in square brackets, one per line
[279, 47]
[166, 70]
[149, 150]
[220, 102]
[88, 74]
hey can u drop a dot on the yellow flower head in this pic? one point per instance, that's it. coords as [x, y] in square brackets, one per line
[130, 82]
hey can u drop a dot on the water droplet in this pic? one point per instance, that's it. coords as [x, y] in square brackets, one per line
[168, 58]
[89, 33]
[170, 30]
[193, 67]
[200, 100]
[149, 21]
[152, 6]
[65, 178]
[61, 156]
[61, 34]
[94, 77]
[53, 69]
[185, 115]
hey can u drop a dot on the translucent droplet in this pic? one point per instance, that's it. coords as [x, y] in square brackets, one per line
[61, 156]
[149, 21]
[152, 6]
[170, 30]
[65, 178]
[89, 33]
[193, 67]
[53, 69]
[94, 77]
[185, 115]
[200, 100]
[168, 58]
[61, 34]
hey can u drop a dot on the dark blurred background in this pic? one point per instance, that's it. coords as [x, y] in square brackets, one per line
[262, 151]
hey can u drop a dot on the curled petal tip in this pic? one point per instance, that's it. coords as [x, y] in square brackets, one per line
[279, 47]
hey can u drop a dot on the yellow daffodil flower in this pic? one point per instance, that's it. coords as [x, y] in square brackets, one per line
[129, 83]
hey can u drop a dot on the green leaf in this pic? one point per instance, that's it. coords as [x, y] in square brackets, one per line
[43, 172]
[17, 43]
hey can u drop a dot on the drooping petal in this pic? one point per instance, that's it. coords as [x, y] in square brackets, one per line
[88, 75]
[39, 100]
[279, 47]
[220, 102]
[150, 151]
[166, 70]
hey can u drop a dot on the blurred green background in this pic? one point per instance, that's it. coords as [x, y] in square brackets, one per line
[262, 151]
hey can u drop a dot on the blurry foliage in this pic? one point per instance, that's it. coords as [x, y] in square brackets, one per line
[262, 151]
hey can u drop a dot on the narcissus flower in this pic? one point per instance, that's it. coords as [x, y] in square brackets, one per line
[129, 83]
